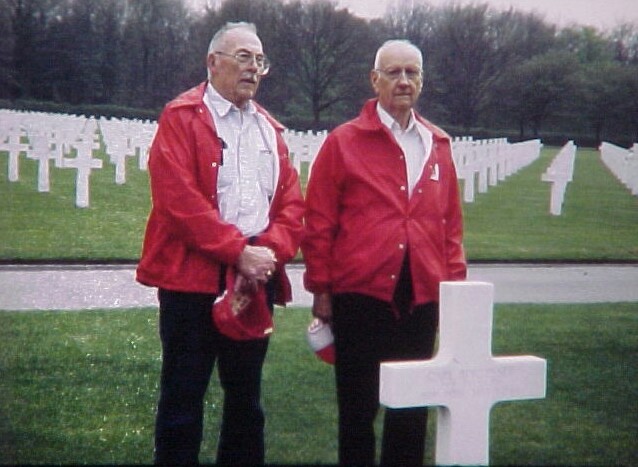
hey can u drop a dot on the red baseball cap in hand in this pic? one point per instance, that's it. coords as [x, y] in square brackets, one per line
[242, 316]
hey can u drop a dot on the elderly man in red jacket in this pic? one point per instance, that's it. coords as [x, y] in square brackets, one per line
[384, 228]
[225, 199]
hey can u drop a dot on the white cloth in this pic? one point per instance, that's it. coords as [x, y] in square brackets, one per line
[246, 178]
[415, 142]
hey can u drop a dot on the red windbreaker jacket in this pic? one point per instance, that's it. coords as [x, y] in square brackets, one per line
[360, 220]
[186, 241]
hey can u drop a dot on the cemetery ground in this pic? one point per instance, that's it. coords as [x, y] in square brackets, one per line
[511, 222]
[81, 387]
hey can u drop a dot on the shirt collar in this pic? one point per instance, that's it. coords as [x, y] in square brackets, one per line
[391, 123]
[223, 106]
[413, 124]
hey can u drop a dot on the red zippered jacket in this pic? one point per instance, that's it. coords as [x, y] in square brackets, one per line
[186, 241]
[360, 220]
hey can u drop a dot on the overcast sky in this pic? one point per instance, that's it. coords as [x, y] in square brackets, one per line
[603, 14]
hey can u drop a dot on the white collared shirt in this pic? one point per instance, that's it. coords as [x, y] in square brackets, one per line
[246, 178]
[415, 142]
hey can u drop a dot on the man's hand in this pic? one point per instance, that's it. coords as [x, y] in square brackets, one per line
[256, 263]
[245, 286]
[322, 307]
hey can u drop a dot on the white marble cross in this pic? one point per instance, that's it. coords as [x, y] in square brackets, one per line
[40, 149]
[118, 151]
[463, 379]
[116, 145]
[84, 163]
[141, 136]
[14, 147]
[560, 173]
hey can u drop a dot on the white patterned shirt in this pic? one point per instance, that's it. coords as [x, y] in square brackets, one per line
[246, 178]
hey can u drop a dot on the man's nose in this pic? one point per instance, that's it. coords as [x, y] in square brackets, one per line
[403, 77]
[252, 64]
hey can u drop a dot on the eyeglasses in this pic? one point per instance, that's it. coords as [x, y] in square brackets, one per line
[246, 58]
[394, 74]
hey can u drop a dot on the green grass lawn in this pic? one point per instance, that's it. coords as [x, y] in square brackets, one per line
[511, 222]
[81, 388]
[599, 220]
[48, 225]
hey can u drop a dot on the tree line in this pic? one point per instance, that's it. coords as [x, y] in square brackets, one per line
[487, 71]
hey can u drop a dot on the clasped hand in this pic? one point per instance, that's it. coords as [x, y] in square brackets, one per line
[256, 264]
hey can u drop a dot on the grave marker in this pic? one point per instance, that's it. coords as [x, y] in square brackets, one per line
[141, 139]
[84, 163]
[559, 174]
[40, 150]
[623, 163]
[483, 154]
[116, 144]
[304, 147]
[490, 161]
[463, 379]
[14, 147]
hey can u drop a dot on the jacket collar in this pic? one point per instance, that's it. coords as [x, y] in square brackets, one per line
[224, 106]
[194, 97]
[369, 120]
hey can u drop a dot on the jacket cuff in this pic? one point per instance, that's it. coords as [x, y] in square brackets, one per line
[316, 287]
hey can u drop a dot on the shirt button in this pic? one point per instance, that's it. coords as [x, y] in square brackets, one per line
[214, 164]
[401, 246]
[393, 277]
[402, 187]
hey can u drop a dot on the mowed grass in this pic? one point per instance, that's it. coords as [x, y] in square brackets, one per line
[511, 222]
[81, 388]
[599, 219]
[36, 226]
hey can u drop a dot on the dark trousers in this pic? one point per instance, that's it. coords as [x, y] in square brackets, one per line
[190, 347]
[367, 333]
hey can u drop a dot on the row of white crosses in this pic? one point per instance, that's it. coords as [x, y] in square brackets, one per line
[45, 137]
[492, 160]
[623, 163]
[559, 173]
[304, 146]
[124, 138]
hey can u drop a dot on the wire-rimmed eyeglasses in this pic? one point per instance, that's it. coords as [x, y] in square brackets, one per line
[412, 74]
[245, 58]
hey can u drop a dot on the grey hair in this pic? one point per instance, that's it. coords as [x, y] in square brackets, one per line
[393, 42]
[220, 35]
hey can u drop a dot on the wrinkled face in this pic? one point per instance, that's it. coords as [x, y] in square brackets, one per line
[398, 80]
[235, 81]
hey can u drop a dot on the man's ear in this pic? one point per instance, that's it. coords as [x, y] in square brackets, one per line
[210, 62]
[374, 77]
